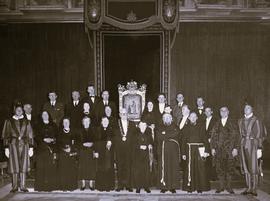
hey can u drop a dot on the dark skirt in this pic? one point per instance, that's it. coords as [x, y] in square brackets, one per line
[45, 172]
[105, 168]
[87, 165]
[67, 172]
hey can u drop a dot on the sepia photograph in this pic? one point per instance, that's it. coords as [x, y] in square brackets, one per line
[132, 100]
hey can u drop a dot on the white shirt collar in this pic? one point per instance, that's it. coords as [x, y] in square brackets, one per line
[209, 118]
[248, 116]
[180, 104]
[46, 122]
[200, 108]
[29, 116]
[53, 102]
[224, 121]
[161, 107]
[17, 117]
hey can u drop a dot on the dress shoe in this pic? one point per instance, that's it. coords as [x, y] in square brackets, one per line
[91, 188]
[219, 190]
[254, 193]
[14, 190]
[229, 190]
[147, 190]
[25, 190]
[199, 191]
[163, 191]
[173, 191]
[138, 190]
[82, 188]
[118, 189]
[246, 192]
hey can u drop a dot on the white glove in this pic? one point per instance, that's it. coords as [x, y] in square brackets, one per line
[259, 153]
[213, 151]
[30, 152]
[206, 155]
[184, 157]
[88, 144]
[143, 147]
[108, 145]
[95, 155]
[234, 152]
[7, 152]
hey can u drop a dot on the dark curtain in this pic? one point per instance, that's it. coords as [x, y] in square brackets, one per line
[37, 58]
[225, 63]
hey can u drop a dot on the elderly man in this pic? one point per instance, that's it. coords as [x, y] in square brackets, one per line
[224, 144]
[168, 154]
[124, 133]
[252, 134]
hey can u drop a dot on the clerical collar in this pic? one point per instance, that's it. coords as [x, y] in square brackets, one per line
[248, 116]
[180, 104]
[66, 130]
[18, 117]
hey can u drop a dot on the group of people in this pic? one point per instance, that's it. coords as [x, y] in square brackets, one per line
[85, 143]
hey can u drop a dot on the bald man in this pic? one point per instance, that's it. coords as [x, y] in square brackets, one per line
[224, 145]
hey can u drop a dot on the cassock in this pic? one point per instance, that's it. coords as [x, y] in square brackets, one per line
[18, 137]
[195, 174]
[46, 165]
[67, 163]
[252, 134]
[105, 162]
[124, 137]
[208, 125]
[56, 111]
[74, 112]
[150, 118]
[87, 162]
[100, 111]
[168, 153]
[142, 166]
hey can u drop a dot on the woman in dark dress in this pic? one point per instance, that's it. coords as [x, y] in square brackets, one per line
[195, 149]
[67, 164]
[141, 158]
[105, 167]
[46, 166]
[87, 154]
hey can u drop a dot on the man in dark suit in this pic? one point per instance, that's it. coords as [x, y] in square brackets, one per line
[160, 108]
[74, 111]
[209, 123]
[100, 111]
[92, 98]
[177, 110]
[200, 109]
[56, 109]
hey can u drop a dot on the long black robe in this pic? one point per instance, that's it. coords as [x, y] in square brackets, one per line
[141, 162]
[195, 164]
[123, 150]
[87, 162]
[168, 153]
[67, 164]
[46, 164]
[105, 167]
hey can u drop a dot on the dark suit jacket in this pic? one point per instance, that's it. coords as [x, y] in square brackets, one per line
[57, 112]
[210, 127]
[158, 115]
[100, 110]
[177, 113]
[75, 114]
